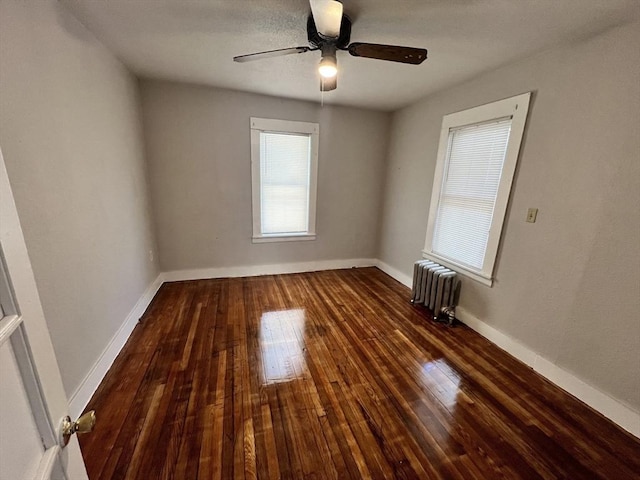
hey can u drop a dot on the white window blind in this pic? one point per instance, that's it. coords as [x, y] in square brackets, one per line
[473, 169]
[284, 182]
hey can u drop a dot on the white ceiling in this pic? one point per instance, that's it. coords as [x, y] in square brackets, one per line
[195, 41]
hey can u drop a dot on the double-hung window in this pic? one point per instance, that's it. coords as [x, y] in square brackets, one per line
[284, 165]
[477, 157]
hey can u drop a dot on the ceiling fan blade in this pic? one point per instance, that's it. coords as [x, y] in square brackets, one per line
[269, 54]
[327, 15]
[392, 53]
[328, 84]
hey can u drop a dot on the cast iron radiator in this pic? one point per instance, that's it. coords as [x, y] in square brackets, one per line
[437, 288]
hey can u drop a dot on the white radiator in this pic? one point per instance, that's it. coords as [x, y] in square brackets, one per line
[436, 287]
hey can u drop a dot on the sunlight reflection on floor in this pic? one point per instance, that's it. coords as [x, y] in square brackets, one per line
[442, 380]
[282, 345]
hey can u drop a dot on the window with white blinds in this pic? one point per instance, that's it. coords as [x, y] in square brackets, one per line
[284, 158]
[476, 161]
[468, 195]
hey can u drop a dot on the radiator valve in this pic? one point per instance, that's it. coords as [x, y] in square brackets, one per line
[448, 314]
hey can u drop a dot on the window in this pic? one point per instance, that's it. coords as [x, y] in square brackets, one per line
[284, 165]
[477, 157]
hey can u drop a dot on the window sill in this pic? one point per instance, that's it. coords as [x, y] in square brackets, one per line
[305, 237]
[488, 281]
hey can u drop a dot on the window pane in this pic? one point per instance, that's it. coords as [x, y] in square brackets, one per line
[470, 186]
[284, 189]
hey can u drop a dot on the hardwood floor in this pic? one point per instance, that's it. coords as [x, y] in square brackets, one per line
[332, 375]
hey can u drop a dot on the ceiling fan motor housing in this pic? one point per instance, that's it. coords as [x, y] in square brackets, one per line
[316, 40]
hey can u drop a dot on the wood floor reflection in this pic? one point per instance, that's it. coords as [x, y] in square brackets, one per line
[332, 375]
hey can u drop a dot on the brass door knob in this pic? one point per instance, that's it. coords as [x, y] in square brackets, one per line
[84, 424]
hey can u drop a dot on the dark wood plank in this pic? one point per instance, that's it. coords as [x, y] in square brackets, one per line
[332, 375]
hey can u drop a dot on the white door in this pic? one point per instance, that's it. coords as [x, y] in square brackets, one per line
[32, 399]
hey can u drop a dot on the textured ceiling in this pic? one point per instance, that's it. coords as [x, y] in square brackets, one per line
[194, 41]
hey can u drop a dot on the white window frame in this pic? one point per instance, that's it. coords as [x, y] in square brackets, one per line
[259, 125]
[516, 108]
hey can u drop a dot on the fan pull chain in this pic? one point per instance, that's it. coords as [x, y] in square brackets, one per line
[322, 91]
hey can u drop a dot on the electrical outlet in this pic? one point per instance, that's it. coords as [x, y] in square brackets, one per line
[151, 255]
[532, 213]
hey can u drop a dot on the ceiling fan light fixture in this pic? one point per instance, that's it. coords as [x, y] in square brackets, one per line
[328, 67]
[327, 15]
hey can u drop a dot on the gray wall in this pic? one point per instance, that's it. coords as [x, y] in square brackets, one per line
[199, 157]
[71, 137]
[567, 286]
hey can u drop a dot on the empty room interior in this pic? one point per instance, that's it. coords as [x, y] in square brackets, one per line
[320, 240]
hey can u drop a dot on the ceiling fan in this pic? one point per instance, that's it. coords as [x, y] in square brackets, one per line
[329, 30]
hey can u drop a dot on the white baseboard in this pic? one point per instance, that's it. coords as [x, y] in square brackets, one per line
[79, 399]
[254, 270]
[608, 406]
[502, 340]
[394, 273]
[611, 408]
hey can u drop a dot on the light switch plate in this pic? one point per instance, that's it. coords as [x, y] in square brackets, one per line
[532, 213]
